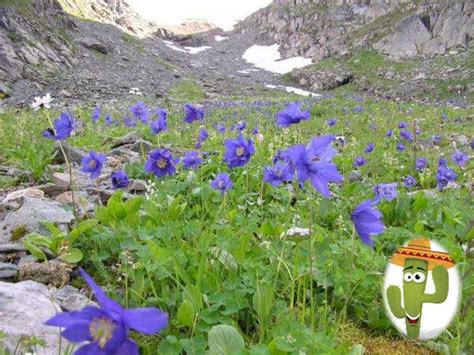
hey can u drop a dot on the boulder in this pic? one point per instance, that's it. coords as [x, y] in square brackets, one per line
[24, 307]
[93, 43]
[8, 271]
[55, 272]
[29, 218]
[70, 299]
[20, 195]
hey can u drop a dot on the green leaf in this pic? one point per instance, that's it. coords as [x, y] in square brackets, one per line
[73, 256]
[34, 250]
[134, 204]
[185, 315]
[357, 350]
[263, 302]
[193, 295]
[82, 228]
[225, 340]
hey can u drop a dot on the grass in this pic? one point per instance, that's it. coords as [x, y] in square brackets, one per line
[187, 90]
[209, 260]
[15, 3]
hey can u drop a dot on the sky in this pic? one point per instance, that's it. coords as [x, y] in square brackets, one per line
[223, 13]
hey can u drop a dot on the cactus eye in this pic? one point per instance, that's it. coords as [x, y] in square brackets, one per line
[407, 277]
[419, 277]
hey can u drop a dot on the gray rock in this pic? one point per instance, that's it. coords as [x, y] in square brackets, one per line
[137, 186]
[30, 215]
[11, 247]
[127, 139]
[8, 271]
[141, 146]
[26, 260]
[51, 189]
[355, 175]
[24, 307]
[20, 195]
[73, 154]
[94, 44]
[70, 299]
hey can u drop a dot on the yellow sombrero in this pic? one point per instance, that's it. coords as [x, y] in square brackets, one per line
[421, 249]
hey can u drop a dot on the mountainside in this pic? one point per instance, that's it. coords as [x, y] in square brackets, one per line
[393, 49]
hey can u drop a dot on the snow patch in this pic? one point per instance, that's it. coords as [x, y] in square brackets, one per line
[293, 90]
[190, 50]
[247, 71]
[268, 58]
[219, 38]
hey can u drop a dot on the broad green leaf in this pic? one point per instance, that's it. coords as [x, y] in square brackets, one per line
[185, 315]
[72, 256]
[34, 250]
[194, 296]
[225, 340]
[263, 301]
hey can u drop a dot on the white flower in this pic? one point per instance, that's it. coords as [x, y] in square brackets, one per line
[135, 91]
[298, 231]
[260, 137]
[43, 101]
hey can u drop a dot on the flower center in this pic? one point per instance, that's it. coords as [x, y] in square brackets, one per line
[278, 172]
[240, 151]
[161, 163]
[92, 164]
[102, 330]
[220, 184]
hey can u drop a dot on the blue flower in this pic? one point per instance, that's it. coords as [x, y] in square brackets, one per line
[63, 127]
[160, 162]
[405, 134]
[255, 131]
[385, 191]
[119, 179]
[161, 123]
[279, 173]
[220, 127]
[95, 114]
[238, 151]
[141, 112]
[110, 121]
[358, 109]
[389, 133]
[128, 122]
[331, 122]
[401, 147]
[442, 163]
[370, 147]
[203, 135]
[459, 158]
[409, 181]
[444, 176]
[192, 113]
[359, 161]
[421, 164]
[436, 139]
[191, 160]
[402, 125]
[314, 162]
[367, 221]
[292, 114]
[106, 328]
[93, 164]
[240, 126]
[222, 183]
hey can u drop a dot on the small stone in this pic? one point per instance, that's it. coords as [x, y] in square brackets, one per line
[355, 175]
[8, 271]
[19, 196]
[61, 179]
[141, 146]
[70, 299]
[137, 186]
[55, 273]
[11, 247]
[73, 154]
[51, 189]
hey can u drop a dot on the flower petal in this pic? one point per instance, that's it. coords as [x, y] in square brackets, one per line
[145, 320]
[78, 332]
[129, 347]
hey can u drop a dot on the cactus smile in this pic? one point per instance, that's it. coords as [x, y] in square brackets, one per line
[413, 320]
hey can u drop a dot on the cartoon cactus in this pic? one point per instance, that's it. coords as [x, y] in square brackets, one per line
[417, 259]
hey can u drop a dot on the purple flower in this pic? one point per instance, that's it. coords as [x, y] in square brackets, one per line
[405, 134]
[128, 122]
[119, 179]
[370, 147]
[442, 163]
[279, 173]
[385, 191]
[238, 151]
[444, 176]
[367, 221]
[401, 147]
[161, 123]
[444, 116]
[95, 114]
[222, 183]
[409, 181]
[160, 162]
[359, 161]
[255, 131]
[436, 139]
[203, 135]
[292, 114]
[314, 162]
[191, 160]
[198, 145]
[140, 110]
[240, 126]
[109, 120]
[402, 125]
[63, 127]
[421, 164]
[389, 133]
[358, 109]
[93, 164]
[459, 158]
[472, 144]
[331, 122]
[220, 127]
[106, 328]
[417, 131]
[192, 113]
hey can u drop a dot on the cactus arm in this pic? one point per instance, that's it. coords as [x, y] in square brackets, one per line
[394, 298]
[441, 281]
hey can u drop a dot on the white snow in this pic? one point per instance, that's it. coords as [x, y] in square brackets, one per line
[293, 90]
[268, 58]
[247, 71]
[190, 50]
[219, 38]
